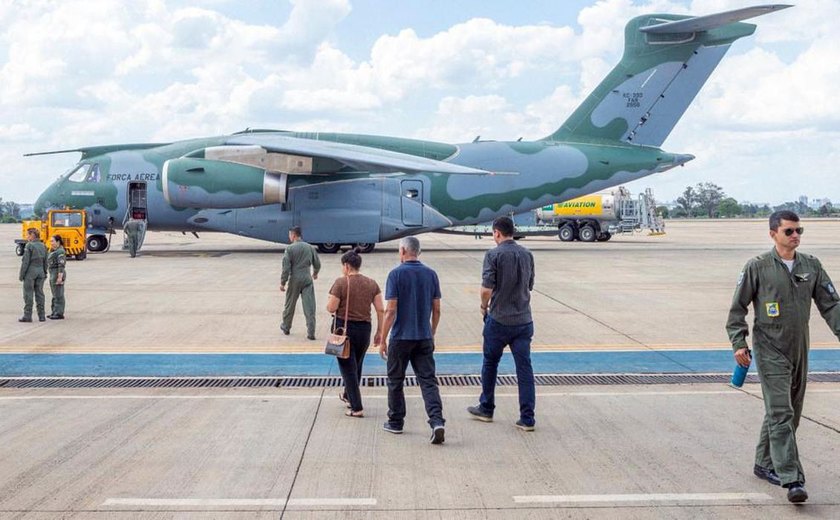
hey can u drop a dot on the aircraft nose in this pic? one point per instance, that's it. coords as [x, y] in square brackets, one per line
[44, 201]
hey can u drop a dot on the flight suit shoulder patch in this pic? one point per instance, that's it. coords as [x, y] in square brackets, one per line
[831, 290]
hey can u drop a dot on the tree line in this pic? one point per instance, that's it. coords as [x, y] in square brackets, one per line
[9, 211]
[705, 199]
[708, 200]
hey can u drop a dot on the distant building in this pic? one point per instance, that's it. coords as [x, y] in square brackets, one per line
[803, 199]
[756, 204]
[816, 204]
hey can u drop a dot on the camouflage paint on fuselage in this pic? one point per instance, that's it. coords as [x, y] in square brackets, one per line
[350, 195]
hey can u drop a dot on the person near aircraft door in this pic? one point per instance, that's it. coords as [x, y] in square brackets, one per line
[56, 262]
[133, 229]
[412, 316]
[780, 285]
[363, 292]
[33, 272]
[298, 259]
[507, 279]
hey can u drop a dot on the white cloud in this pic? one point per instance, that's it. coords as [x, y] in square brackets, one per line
[76, 73]
[474, 54]
[758, 90]
[19, 132]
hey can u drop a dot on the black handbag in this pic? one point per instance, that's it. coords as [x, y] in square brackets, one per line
[338, 344]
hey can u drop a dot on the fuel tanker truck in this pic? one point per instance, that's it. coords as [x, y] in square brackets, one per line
[601, 215]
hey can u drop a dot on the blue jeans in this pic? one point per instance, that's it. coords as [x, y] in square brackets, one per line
[496, 338]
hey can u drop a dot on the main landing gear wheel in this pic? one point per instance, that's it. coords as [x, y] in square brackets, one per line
[587, 234]
[366, 247]
[328, 248]
[19, 249]
[97, 243]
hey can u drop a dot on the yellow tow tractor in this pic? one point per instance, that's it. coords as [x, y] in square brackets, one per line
[69, 224]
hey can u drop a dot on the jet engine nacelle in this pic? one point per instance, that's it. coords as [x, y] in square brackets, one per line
[190, 182]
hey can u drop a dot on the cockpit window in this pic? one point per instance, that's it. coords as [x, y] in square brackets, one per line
[84, 173]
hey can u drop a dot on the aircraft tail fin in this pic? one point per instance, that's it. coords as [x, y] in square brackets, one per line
[667, 59]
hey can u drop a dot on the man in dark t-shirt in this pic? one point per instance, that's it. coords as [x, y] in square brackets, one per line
[411, 316]
[507, 279]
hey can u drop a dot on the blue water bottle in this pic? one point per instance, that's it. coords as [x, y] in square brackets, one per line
[739, 375]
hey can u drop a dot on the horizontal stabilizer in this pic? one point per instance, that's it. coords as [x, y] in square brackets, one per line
[712, 21]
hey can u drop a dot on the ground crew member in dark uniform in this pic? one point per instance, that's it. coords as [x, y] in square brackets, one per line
[33, 271]
[133, 228]
[298, 259]
[56, 261]
[780, 285]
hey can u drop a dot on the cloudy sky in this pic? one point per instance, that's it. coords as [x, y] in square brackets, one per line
[766, 127]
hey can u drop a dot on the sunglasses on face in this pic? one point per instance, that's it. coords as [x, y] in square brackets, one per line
[789, 231]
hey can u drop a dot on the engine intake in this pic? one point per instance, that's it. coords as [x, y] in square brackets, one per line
[190, 182]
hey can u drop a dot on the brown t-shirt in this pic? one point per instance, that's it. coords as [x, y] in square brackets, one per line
[362, 292]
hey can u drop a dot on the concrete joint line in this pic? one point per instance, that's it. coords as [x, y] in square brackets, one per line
[303, 453]
[610, 327]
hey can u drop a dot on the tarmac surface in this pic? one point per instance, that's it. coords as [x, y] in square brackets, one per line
[669, 451]
[220, 294]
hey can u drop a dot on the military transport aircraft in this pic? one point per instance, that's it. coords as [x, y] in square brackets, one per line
[362, 189]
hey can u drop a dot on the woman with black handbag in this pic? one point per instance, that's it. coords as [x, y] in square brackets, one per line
[363, 292]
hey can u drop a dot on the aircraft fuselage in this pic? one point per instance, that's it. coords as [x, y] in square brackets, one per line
[360, 207]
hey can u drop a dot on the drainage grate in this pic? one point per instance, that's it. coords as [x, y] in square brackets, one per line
[378, 381]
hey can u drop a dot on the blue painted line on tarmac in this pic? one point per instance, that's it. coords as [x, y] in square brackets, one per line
[173, 365]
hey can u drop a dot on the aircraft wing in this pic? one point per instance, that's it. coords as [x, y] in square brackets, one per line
[89, 151]
[358, 158]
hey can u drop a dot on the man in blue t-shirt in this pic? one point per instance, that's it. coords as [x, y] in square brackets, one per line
[411, 317]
